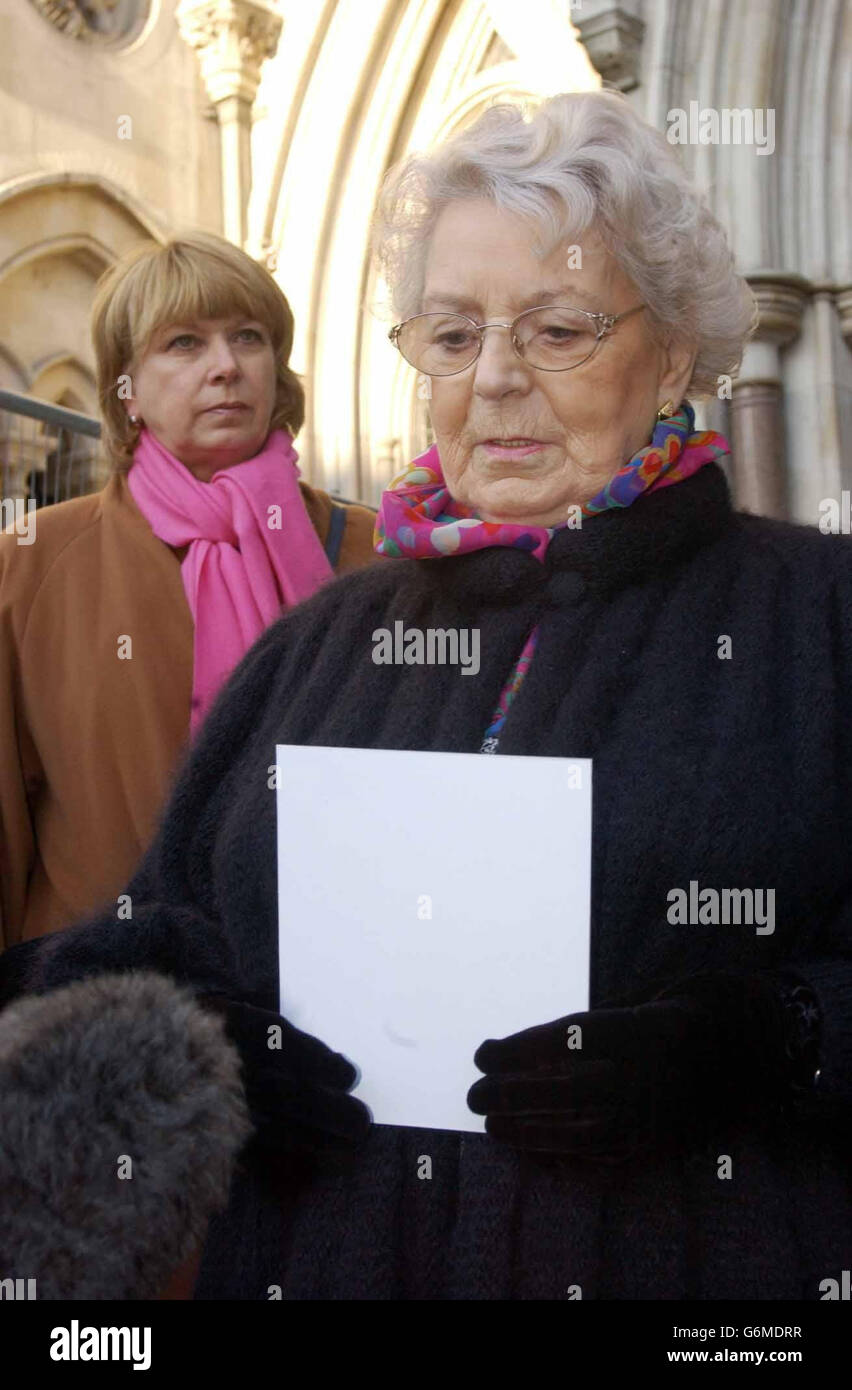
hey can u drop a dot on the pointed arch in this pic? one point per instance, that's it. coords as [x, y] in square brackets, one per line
[58, 233]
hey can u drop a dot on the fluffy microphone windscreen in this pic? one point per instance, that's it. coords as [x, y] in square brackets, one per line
[121, 1115]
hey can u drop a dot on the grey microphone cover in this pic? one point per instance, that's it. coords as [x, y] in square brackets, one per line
[122, 1113]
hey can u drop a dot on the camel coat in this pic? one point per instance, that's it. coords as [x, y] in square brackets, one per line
[91, 739]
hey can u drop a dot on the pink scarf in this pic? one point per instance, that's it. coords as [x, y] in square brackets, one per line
[252, 548]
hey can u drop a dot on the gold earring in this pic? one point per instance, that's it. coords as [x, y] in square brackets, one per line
[666, 411]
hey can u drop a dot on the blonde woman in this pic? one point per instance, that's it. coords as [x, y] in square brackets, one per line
[119, 625]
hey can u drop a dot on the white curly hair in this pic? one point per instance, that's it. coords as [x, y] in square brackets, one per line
[581, 162]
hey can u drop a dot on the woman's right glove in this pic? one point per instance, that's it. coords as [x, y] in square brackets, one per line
[633, 1079]
[295, 1086]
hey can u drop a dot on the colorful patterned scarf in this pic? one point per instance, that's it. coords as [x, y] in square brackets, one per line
[418, 518]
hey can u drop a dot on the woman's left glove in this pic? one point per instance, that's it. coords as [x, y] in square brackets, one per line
[610, 1083]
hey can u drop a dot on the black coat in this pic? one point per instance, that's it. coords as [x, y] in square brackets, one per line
[733, 772]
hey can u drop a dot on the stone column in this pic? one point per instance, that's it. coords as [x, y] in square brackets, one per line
[233, 38]
[843, 300]
[757, 413]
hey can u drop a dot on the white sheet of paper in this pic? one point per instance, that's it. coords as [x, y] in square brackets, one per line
[428, 901]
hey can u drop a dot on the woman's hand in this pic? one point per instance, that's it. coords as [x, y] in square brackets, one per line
[610, 1083]
[295, 1086]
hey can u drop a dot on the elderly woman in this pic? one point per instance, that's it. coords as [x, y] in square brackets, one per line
[566, 292]
[119, 625]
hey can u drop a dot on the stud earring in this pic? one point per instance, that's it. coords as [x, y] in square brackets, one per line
[134, 420]
[666, 411]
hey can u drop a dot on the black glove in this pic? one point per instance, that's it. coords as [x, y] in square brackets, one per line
[296, 1093]
[644, 1077]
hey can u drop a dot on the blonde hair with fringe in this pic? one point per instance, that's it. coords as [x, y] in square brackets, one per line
[192, 276]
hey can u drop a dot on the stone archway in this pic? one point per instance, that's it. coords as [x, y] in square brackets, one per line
[787, 217]
[58, 233]
[57, 236]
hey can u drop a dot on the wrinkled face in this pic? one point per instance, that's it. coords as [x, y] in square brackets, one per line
[564, 434]
[206, 389]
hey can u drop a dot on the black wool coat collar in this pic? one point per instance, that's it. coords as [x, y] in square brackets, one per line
[609, 551]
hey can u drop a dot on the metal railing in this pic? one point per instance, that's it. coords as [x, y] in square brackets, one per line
[47, 452]
[50, 453]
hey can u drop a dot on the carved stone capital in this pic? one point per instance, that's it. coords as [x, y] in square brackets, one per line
[612, 37]
[781, 299]
[233, 39]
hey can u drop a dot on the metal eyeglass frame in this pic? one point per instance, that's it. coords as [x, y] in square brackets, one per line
[604, 326]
